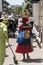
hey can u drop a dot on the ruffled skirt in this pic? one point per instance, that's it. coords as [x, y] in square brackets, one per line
[21, 48]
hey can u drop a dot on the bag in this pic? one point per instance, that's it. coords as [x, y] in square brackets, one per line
[26, 34]
[20, 38]
[23, 35]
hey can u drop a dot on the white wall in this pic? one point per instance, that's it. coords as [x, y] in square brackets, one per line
[41, 13]
[0, 5]
[36, 12]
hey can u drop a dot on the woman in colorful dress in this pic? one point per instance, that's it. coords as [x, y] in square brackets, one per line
[24, 40]
[3, 39]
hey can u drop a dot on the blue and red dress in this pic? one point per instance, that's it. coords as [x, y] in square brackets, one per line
[25, 46]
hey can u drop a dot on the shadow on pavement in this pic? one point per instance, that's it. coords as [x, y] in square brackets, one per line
[8, 46]
[33, 46]
[32, 60]
[6, 55]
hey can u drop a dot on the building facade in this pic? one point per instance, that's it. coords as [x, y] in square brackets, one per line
[5, 5]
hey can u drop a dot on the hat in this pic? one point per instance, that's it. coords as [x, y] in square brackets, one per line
[24, 19]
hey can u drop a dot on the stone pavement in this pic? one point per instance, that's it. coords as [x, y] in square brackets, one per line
[36, 57]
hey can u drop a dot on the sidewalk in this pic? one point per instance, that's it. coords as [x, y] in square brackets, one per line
[36, 57]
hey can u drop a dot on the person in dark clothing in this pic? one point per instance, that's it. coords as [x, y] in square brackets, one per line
[12, 25]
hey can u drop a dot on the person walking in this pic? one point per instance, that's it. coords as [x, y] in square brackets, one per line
[3, 39]
[24, 45]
